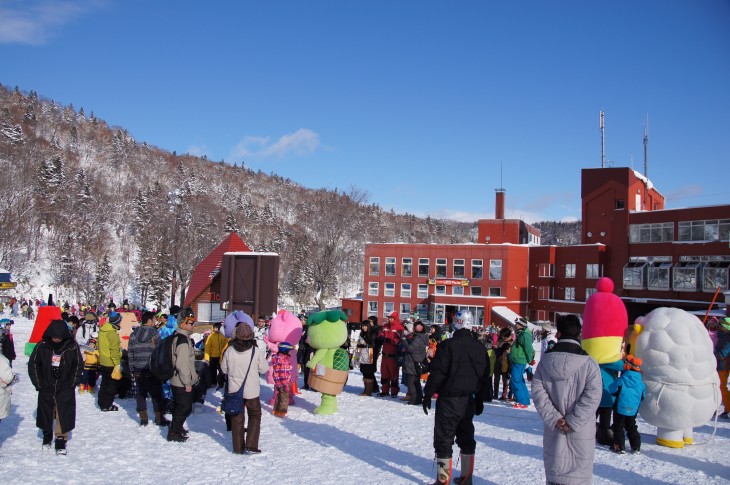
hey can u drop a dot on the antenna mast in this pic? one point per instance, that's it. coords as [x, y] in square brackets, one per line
[603, 140]
[646, 148]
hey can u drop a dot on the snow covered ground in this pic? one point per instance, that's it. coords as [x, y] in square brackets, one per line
[371, 440]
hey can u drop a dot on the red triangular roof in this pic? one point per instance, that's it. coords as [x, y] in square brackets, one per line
[209, 268]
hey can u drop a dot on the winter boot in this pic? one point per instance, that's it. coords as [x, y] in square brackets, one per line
[160, 419]
[407, 397]
[443, 471]
[90, 389]
[82, 388]
[368, 383]
[60, 445]
[604, 436]
[47, 439]
[383, 390]
[467, 470]
[143, 418]
[177, 437]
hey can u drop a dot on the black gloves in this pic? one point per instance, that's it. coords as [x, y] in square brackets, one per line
[478, 407]
[426, 404]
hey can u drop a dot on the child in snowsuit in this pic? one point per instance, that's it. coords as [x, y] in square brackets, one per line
[91, 368]
[282, 376]
[629, 390]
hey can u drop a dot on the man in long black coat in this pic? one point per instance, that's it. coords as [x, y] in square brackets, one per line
[458, 374]
[55, 369]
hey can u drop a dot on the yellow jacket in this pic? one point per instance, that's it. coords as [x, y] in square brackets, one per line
[91, 359]
[215, 344]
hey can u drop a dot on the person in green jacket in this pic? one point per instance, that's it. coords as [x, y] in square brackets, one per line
[522, 353]
[110, 357]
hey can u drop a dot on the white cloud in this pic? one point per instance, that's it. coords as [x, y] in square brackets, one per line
[198, 150]
[301, 142]
[34, 22]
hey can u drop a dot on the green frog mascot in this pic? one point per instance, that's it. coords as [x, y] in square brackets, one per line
[330, 364]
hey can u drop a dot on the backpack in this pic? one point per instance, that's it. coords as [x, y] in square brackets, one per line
[161, 359]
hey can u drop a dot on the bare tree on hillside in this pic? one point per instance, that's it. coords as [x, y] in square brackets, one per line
[332, 227]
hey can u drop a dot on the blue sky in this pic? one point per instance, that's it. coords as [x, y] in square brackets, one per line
[420, 103]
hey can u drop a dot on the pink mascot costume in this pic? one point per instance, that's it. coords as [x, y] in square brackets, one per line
[284, 327]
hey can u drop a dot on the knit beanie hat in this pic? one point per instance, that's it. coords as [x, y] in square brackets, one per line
[285, 347]
[632, 363]
[115, 319]
[243, 332]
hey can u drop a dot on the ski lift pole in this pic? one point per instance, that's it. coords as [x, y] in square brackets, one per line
[704, 320]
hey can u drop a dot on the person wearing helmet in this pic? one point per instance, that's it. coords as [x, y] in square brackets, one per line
[458, 374]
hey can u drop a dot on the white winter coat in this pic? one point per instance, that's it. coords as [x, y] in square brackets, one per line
[568, 384]
[235, 365]
[6, 379]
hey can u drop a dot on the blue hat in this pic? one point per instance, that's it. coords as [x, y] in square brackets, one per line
[285, 347]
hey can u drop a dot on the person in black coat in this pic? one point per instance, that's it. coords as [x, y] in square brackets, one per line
[55, 369]
[458, 374]
[368, 364]
[7, 346]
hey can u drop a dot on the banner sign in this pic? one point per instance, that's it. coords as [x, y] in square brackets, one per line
[448, 281]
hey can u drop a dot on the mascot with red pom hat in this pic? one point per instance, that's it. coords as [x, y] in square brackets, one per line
[605, 322]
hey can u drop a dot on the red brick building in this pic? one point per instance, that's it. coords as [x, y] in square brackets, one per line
[656, 257]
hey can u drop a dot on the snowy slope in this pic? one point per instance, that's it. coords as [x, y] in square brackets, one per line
[371, 440]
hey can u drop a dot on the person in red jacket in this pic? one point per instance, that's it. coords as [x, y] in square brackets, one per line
[390, 336]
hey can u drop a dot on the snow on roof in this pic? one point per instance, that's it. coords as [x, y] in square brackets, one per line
[644, 179]
[510, 316]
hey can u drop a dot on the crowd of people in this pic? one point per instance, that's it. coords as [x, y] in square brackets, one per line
[462, 365]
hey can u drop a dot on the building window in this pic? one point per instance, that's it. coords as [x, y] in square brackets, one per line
[658, 275]
[715, 274]
[495, 269]
[495, 291]
[619, 204]
[423, 267]
[477, 268]
[440, 289]
[405, 310]
[593, 271]
[373, 288]
[405, 290]
[459, 268]
[476, 291]
[651, 233]
[210, 312]
[635, 275]
[440, 267]
[570, 293]
[422, 310]
[589, 292]
[389, 307]
[407, 267]
[457, 290]
[374, 266]
[422, 291]
[389, 289]
[547, 270]
[686, 275]
[389, 266]
[544, 292]
[570, 270]
[372, 308]
[710, 230]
